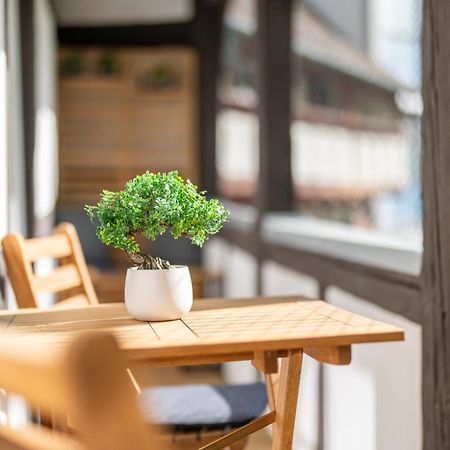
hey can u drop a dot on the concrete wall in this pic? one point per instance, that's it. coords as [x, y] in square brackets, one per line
[373, 404]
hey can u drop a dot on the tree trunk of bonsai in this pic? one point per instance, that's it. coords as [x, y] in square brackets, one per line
[147, 262]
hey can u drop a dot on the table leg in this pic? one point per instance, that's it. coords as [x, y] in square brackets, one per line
[286, 400]
[271, 388]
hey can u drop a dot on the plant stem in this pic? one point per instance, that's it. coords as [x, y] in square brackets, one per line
[147, 262]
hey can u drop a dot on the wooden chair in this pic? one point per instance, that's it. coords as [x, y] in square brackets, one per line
[88, 382]
[70, 280]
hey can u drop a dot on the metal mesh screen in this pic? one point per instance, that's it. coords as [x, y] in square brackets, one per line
[237, 150]
[356, 112]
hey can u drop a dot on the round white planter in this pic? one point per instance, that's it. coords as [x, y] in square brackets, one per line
[158, 294]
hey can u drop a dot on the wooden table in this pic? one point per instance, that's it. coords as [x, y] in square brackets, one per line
[261, 330]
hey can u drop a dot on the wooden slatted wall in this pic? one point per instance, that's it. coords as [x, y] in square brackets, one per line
[116, 125]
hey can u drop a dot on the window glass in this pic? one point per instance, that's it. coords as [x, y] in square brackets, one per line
[237, 123]
[356, 108]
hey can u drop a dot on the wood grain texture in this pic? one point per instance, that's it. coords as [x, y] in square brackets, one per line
[339, 355]
[113, 127]
[436, 257]
[47, 246]
[71, 278]
[19, 271]
[286, 400]
[272, 389]
[214, 328]
[242, 432]
[86, 381]
[106, 410]
[266, 362]
[77, 257]
[62, 278]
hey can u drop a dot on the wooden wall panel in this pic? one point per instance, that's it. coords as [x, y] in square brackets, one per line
[114, 126]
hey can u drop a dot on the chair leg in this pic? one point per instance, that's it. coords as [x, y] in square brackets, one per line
[286, 400]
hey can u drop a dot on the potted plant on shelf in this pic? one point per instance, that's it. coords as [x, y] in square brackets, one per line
[149, 205]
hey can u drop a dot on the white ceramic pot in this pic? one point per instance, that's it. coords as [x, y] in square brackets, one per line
[153, 295]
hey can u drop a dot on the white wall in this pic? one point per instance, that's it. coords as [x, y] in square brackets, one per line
[12, 187]
[12, 190]
[323, 156]
[237, 146]
[239, 280]
[46, 144]
[375, 403]
[16, 158]
[13, 409]
[372, 404]
[3, 135]
[45, 170]
[278, 280]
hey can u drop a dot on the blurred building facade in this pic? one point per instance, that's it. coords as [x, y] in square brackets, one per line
[356, 145]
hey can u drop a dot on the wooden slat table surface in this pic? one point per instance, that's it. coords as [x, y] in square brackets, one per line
[215, 330]
[272, 332]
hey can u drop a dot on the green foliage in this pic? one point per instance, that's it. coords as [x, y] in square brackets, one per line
[151, 204]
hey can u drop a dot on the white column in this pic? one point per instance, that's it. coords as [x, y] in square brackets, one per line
[16, 154]
[46, 143]
[3, 136]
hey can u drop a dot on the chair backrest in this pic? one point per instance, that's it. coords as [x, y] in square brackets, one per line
[70, 279]
[87, 382]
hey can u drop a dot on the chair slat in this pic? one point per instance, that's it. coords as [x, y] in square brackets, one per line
[62, 278]
[33, 374]
[70, 302]
[68, 230]
[85, 379]
[71, 278]
[56, 246]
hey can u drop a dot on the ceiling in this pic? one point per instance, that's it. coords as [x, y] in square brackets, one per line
[122, 12]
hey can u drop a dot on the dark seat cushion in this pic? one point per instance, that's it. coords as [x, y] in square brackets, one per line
[204, 406]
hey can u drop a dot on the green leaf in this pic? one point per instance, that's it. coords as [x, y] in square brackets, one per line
[151, 204]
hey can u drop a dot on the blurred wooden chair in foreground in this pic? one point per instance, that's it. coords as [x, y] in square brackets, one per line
[87, 382]
[70, 280]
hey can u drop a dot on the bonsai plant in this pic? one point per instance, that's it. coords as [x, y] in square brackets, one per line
[150, 205]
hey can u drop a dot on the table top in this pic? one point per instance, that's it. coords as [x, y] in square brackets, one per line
[235, 327]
